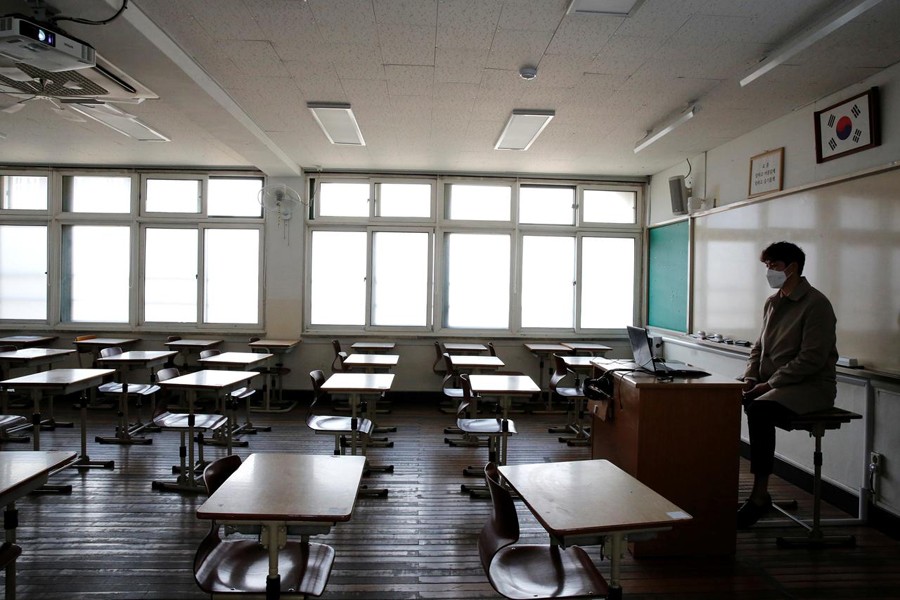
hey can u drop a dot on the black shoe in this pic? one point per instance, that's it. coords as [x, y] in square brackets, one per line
[750, 512]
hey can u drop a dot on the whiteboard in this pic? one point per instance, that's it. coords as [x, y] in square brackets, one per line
[850, 232]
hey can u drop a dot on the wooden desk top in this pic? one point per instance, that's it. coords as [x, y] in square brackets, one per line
[503, 384]
[476, 361]
[101, 342]
[548, 348]
[25, 341]
[209, 379]
[60, 378]
[138, 357]
[372, 360]
[288, 487]
[451, 347]
[586, 347]
[188, 344]
[24, 471]
[579, 362]
[275, 346]
[237, 359]
[374, 346]
[642, 379]
[585, 497]
[27, 355]
[359, 382]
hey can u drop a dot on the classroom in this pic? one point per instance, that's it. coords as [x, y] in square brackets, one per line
[437, 192]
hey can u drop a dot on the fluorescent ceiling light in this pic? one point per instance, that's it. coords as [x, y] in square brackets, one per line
[622, 8]
[809, 36]
[337, 122]
[523, 128]
[659, 131]
[121, 121]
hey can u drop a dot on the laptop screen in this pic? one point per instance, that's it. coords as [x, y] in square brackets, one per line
[640, 347]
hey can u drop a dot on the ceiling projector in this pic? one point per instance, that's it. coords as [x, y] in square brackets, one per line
[37, 45]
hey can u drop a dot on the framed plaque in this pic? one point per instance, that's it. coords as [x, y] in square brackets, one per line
[766, 172]
[848, 126]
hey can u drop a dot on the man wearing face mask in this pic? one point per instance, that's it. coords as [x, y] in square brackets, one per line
[791, 369]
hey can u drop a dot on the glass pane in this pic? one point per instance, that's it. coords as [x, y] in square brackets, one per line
[609, 206]
[233, 197]
[478, 202]
[478, 280]
[96, 274]
[231, 276]
[344, 199]
[548, 277]
[400, 279]
[404, 199]
[97, 194]
[23, 272]
[607, 294]
[338, 278]
[547, 205]
[170, 275]
[24, 193]
[173, 195]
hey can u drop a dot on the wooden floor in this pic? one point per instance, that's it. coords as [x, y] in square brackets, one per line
[114, 537]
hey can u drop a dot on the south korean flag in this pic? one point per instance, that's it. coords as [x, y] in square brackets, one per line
[845, 127]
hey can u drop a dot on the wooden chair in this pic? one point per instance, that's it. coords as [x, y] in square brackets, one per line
[241, 566]
[438, 366]
[234, 398]
[575, 400]
[8, 422]
[176, 421]
[80, 350]
[531, 571]
[337, 426]
[496, 429]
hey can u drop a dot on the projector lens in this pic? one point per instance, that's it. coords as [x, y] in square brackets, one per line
[42, 35]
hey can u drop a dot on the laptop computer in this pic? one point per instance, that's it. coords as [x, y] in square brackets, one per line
[643, 357]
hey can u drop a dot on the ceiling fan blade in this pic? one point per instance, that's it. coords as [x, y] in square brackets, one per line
[15, 107]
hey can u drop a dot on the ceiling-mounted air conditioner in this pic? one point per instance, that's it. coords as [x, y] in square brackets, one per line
[42, 47]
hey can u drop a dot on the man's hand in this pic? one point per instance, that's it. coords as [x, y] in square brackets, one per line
[753, 390]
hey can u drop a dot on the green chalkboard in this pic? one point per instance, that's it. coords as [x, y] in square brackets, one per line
[667, 277]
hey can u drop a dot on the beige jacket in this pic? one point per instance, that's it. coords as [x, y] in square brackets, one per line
[796, 351]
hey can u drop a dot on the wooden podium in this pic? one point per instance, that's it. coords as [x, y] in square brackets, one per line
[680, 438]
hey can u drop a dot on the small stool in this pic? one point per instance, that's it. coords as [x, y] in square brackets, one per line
[816, 423]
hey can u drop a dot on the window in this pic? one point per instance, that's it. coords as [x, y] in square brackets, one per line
[548, 281]
[170, 275]
[23, 272]
[338, 278]
[479, 202]
[477, 281]
[173, 195]
[95, 274]
[189, 255]
[231, 276]
[96, 194]
[457, 254]
[22, 192]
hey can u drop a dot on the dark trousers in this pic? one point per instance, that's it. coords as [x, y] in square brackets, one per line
[761, 418]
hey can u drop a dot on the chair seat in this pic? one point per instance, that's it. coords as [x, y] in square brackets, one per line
[570, 392]
[455, 393]
[338, 424]
[138, 389]
[241, 566]
[7, 421]
[530, 572]
[485, 426]
[242, 393]
[169, 420]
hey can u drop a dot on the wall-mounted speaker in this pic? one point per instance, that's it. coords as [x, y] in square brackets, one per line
[679, 193]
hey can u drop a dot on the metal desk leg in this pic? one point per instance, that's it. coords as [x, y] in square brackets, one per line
[616, 548]
[84, 461]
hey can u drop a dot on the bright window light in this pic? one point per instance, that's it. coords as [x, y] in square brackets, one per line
[400, 278]
[601, 309]
[97, 194]
[404, 199]
[233, 197]
[548, 278]
[231, 276]
[170, 275]
[609, 206]
[478, 271]
[23, 272]
[93, 294]
[173, 195]
[472, 202]
[338, 278]
[24, 193]
[547, 205]
[344, 199]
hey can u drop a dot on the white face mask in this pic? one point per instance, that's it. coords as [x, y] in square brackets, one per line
[775, 278]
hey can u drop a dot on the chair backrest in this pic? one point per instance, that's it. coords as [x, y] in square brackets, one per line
[337, 365]
[208, 353]
[559, 372]
[491, 348]
[336, 344]
[216, 472]
[317, 376]
[438, 359]
[502, 529]
[167, 373]
[84, 338]
[467, 396]
[448, 364]
[173, 338]
[111, 351]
